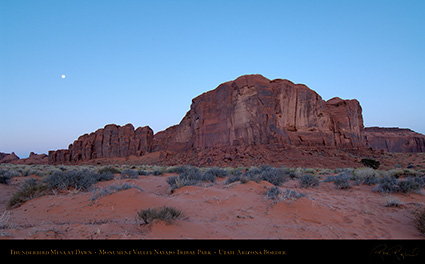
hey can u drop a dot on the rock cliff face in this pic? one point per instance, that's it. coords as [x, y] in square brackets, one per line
[109, 142]
[253, 110]
[394, 139]
[247, 112]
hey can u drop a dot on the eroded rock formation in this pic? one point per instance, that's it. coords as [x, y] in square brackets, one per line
[249, 111]
[394, 139]
[253, 110]
[8, 157]
[112, 141]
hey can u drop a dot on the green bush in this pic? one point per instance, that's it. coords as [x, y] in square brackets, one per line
[160, 213]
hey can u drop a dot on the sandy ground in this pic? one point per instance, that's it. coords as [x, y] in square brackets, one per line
[212, 211]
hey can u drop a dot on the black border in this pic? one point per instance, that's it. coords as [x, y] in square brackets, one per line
[376, 251]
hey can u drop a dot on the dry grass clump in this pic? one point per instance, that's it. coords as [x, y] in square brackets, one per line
[158, 213]
[274, 193]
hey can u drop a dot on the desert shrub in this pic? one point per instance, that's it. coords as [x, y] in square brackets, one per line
[236, 172]
[216, 172]
[104, 176]
[275, 176]
[342, 181]
[129, 174]
[109, 169]
[410, 173]
[419, 220]
[232, 178]
[308, 180]
[32, 170]
[160, 213]
[374, 164]
[387, 184]
[390, 184]
[156, 172]
[253, 171]
[80, 179]
[420, 181]
[177, 182]
[329, 178]
[348, 171]
[192, 173]
[6, 175]
[191, 176]
[244, 179]
[142, 172]
[365, 175]
[397, 173]
[4, 179]
[31, 188]
[392, 202]
[112, 189]
[273, 192]
[177, 169]
[408, 185]
[4, 218]
[289, 194]
[371, 179]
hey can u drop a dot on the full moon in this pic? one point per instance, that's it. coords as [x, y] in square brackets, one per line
[63, 76]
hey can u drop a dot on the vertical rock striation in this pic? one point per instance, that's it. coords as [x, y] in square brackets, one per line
[112, 141]
[249, 111]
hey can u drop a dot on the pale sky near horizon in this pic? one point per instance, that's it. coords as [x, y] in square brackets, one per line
[142, 62]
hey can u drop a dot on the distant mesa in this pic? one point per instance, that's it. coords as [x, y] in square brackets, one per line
[32, 159]
[8, 157]
[394, 139]
[248, 121]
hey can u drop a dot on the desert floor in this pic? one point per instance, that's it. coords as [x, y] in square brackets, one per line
[212, 211]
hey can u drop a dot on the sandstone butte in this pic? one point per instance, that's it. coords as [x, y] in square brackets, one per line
[249, 121]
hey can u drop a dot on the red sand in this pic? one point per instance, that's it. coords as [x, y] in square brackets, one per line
[212, 211]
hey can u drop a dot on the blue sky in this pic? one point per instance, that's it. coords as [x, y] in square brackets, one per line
[142, 62]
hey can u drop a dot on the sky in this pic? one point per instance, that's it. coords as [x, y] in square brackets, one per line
[142, 62]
